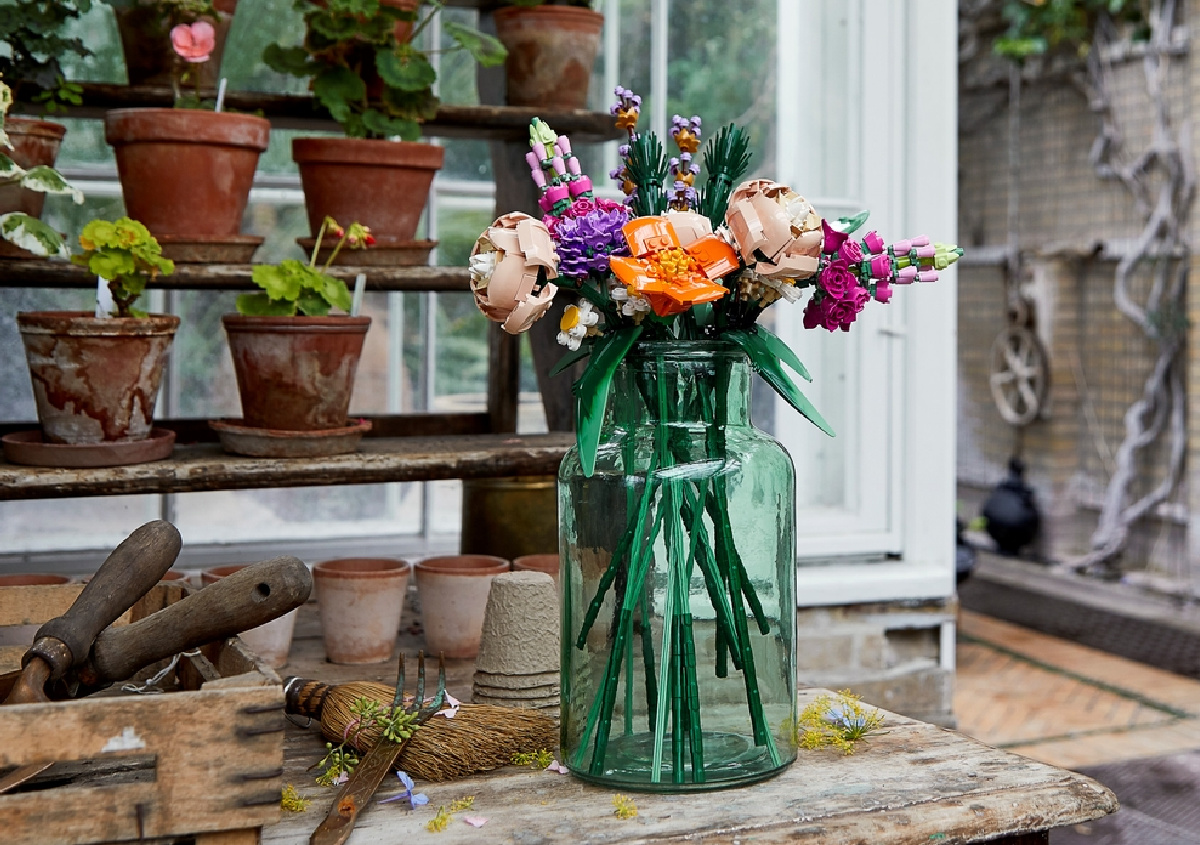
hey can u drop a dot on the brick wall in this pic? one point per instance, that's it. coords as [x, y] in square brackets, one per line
[1072, 228]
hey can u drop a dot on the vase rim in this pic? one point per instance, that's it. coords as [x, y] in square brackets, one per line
[685, 348]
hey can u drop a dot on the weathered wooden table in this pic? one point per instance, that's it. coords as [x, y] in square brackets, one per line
[916, 783]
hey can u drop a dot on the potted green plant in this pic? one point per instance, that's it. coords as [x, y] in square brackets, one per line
[552, 47]
[145, 28]
[96, 375]
[186, 172]
[366, 71]
[22, 187]
[33, 33]
[295, 357]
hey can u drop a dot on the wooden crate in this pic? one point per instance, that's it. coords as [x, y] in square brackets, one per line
[203, 759]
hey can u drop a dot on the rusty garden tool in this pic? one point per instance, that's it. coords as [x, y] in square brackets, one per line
[369, 773]
[126, 575]
[248, 598]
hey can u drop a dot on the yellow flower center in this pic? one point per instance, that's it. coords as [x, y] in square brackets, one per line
[673, 263]
[570, 318]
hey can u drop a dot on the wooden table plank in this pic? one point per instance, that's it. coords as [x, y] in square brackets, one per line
[917, 783]
[23, 273]
[201, 467]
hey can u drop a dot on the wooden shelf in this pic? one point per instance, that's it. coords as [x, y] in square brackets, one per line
[21, 273]
[205, 467]
[300, 111]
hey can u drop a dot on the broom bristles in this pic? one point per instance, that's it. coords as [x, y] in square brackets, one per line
[480, 738]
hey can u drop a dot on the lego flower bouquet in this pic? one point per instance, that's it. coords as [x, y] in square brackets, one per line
[676, 514]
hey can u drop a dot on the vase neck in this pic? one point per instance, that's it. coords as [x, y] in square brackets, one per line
[699, 383]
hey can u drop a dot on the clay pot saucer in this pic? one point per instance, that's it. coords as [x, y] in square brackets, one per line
[209, 249]
[28, 448]
[275, 443]
[385, 252]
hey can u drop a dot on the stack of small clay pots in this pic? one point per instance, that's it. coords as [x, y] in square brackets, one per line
[518, 657]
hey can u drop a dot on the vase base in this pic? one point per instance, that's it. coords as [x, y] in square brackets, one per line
[629, 762]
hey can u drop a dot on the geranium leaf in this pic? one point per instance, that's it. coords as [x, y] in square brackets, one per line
[47, 180]
[312, 304]
[32, 235]
[336, 88]
[405, 68]
[10, 171]
[767, 365]
[485, 49]
[378, 123]
[261, 305]
[591, 391]
[292, 60]
[280, 282]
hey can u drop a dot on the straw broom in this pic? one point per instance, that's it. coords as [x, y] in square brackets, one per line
[480, 738]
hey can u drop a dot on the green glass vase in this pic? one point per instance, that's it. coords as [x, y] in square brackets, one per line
[678, 556]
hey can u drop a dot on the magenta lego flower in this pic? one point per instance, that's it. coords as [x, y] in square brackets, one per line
[850, 252]
[194, 42]
[414, 800]
[837, 280]
[833, 239]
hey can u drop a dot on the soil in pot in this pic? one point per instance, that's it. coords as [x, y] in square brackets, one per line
[360, 601]
[186, 172]
[271, 641]
[453, 591]
[95, 378]
[551, 53]
[34, 142]
[295, 373]
[382, 184]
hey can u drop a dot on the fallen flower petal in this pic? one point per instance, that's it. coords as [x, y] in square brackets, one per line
[556, 766]
[475, 821]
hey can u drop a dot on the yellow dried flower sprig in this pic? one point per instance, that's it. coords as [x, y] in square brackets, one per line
[291, 800]
[837, 721]
[624, 808]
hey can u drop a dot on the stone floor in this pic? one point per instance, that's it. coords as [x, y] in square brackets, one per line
[1132, 727]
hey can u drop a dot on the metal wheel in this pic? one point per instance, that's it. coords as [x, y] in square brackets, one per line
[1020, 376]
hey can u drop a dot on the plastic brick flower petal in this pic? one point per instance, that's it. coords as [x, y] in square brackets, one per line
[671, 275]
[777, 231]
[578, 321]
[506, 286]
[194, 42]
[556, 766]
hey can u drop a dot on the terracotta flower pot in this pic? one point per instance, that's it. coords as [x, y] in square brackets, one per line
[186, 172]
[34, 142]
[551, 52]
[382, 184]
[295, 373]
[145, 30]
[454, 594]
[95, 379]
[538, 563]
[272, 641]
[360, 600]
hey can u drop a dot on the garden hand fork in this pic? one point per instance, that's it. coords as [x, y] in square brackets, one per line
[368, 774]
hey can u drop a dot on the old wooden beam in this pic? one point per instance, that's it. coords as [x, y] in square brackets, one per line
[205, 467]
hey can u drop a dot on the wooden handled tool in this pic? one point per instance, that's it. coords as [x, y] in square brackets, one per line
[125, 576]
[246, 599]
[370, 772]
